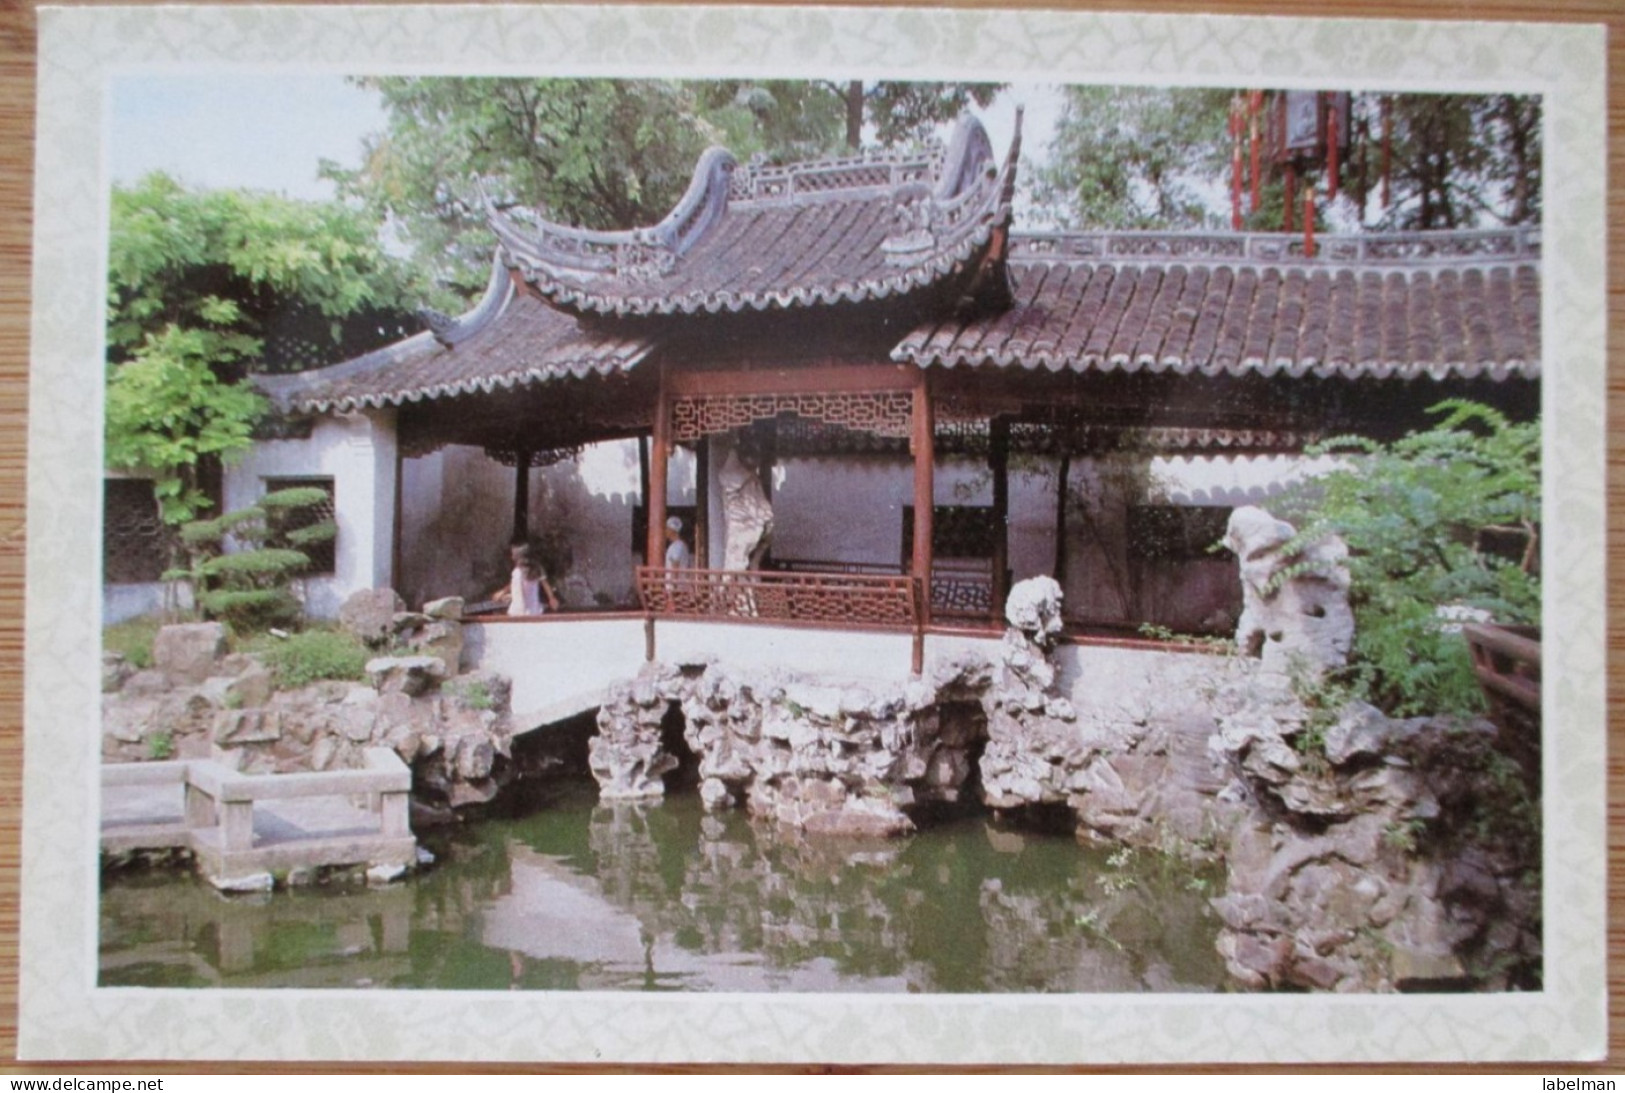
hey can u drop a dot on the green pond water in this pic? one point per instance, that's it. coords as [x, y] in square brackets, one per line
[574, 895]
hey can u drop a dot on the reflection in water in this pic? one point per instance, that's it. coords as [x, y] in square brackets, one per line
[582, 896]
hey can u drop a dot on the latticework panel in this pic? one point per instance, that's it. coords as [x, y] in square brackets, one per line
[962, 592]
[827, 599]
[136, 543]
[882, 413]
[323, 555]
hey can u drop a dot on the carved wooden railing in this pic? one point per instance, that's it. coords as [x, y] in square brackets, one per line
[835, 600]
[1506, 660]
[960, 587]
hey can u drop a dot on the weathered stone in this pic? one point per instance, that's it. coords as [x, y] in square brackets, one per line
[248, 882]
[324, 754]
[448, 607]
[145, 683]
[186, 653]
[405, 675]
[369, 614]
[115, 670]
[1295, 612]
[234, 728]
[475, 757]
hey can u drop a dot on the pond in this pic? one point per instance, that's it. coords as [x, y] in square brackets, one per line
[575, 895]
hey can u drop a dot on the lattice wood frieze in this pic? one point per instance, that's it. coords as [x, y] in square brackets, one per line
[882, 413]
[761, 596]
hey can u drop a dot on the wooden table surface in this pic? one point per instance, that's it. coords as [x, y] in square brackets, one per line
[17, 55]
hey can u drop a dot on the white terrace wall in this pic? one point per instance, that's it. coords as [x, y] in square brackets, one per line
[357, 451]
[457, 517]
[564, 666]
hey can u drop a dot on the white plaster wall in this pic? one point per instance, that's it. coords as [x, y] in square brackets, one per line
[457, 518]
[564, 667]
[559, 667]
[129, 601]
[850, 508]
[357, 451]
[847, 654]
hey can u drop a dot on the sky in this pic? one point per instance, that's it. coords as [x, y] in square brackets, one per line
[256, 131]
[271, 131]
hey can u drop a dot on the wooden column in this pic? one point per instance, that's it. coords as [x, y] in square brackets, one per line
[924, 486]
[998, 461]
[659, 453]
[521, 497]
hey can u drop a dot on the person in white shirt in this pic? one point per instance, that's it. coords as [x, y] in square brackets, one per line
[526, 586]
[677, 552]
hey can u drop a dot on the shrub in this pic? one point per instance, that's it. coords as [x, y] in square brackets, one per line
[132, 639]
[250, 587]
[1447, 517]
[315, 654]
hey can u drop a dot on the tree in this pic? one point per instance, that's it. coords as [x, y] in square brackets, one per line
[249, 586]
[1137, 158]
[197, 283]
[1160, 158]
[1439, 524]
[1456, 161]
[603, 154]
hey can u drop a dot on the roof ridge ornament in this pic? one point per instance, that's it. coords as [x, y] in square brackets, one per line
[449, 331]
[640, 254]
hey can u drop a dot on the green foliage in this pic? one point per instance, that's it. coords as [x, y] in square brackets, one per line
[132, 639]
[1136, 157]
[471, 694]
[1429, 519]
[250, 586]
[160, 745]
[313, 655]
[1160, 158]
[595, 153]
[194, 280]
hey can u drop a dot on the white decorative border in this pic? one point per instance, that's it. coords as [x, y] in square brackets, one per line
[64, 1015]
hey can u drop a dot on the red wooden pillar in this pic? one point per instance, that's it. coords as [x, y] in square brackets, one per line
[924, 486]
[659, 452]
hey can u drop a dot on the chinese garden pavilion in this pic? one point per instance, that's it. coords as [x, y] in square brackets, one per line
[887, 303]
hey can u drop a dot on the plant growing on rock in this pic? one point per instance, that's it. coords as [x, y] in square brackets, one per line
[313, 655]
[1445, 518]
[251, 586]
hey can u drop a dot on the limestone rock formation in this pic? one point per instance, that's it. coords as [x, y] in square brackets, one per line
[1382, 854]
[370, 613]
[454, 732]
[186, 653]
[1295, 610]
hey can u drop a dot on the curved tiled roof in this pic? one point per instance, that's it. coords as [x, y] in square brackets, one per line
[1438, 304]
[755, 238]
[508, 339]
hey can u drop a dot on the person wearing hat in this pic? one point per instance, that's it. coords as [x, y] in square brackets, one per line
[677, 553]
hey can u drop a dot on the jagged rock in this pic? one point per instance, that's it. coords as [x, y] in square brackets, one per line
[1295, 614]
[405, 675]
[448, 607]
[145, 683]
[186, 653]
[1034, 608]
[249, 882]
[369, 614]
[115, 671]
[233, 728]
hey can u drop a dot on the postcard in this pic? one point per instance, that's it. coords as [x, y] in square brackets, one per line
[792, 534]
